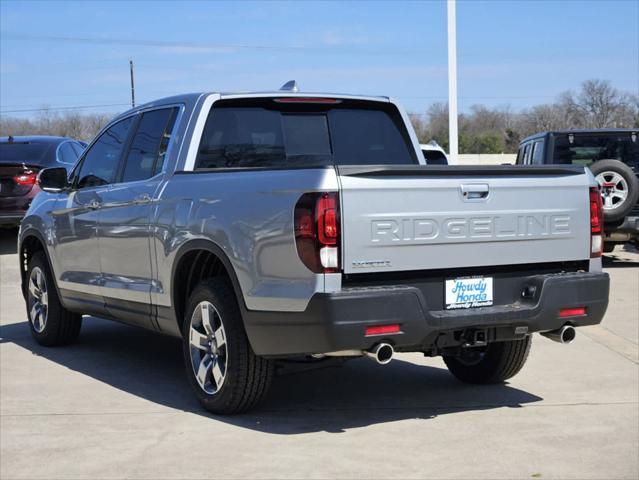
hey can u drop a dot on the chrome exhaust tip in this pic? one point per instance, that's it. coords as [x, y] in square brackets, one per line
[565, 334]
[382, 353]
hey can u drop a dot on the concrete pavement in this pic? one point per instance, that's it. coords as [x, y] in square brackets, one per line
[117, 405]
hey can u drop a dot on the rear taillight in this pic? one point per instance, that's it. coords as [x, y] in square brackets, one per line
[317, 231]
[596, 223]
[25, 178]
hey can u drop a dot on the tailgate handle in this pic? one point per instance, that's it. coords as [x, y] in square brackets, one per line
[474, 192]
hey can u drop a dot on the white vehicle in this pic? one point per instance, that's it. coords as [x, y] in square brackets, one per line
[433, 153]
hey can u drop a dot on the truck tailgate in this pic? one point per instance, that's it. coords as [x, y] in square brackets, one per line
[426, 217]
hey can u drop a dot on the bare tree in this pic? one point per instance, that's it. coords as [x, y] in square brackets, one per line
[69, 124]
[599, 105]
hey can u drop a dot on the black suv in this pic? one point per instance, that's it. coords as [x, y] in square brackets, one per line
[613, 158]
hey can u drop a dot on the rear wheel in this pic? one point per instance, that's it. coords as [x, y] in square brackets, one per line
[225, 374]
[495, 363]
[50, 323]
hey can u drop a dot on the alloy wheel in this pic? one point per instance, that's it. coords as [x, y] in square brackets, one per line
[614, 189]
[207, 339]
[38, 299]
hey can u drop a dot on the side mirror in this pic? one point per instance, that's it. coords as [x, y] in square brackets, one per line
[53, 179]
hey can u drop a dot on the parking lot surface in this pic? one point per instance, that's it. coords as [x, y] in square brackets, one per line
[117, 405]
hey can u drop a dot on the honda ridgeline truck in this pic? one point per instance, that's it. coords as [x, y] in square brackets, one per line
[267, 226]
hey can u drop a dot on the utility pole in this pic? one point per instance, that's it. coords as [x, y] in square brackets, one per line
[132, 84]
[452, 84]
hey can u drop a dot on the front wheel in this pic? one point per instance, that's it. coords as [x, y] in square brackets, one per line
[495, 363]
[225, 374]
[50, 323]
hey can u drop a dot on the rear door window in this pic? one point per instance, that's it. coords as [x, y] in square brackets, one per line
[145, 157]
[537, 157]
[526, 154]
[67, 154]
[78, 148]
[270, 135]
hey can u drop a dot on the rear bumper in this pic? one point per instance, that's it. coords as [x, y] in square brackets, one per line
[13, 209]
[11, 219]
[337, 321]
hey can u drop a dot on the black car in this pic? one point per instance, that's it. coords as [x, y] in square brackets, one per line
[21, 158]
[613, 158]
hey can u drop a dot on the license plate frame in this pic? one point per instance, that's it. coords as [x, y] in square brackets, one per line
[463, 293]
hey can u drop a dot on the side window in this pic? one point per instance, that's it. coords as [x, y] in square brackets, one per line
[78, 148]
[526, 154]
[538, 153]
[520, 156]
[66, 153]
[100, 164]
[148, 148]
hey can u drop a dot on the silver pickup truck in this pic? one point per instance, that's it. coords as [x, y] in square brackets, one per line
[267, 226]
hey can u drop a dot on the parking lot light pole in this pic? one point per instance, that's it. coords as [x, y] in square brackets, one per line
[452, 84]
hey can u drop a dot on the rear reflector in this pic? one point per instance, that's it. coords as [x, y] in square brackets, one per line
[572, 312]
[382, 330]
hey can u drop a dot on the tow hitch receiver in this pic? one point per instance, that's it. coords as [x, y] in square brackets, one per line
[475, 338]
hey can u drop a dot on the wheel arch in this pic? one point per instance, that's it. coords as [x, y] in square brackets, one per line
[32, 242]
[195, 261]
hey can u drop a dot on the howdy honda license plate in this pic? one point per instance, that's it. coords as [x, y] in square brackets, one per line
[469, 292]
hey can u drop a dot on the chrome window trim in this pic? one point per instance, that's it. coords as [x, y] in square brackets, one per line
[198, 130]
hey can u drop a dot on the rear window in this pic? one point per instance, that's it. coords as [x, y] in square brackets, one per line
[268, 134]
[586, 149]
[36, 154]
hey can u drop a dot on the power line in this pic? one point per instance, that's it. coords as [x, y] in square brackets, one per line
[198, 45]
[76, 107]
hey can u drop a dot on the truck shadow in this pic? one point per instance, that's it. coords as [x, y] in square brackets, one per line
[8, 241]
[626, 257]
[332, 399]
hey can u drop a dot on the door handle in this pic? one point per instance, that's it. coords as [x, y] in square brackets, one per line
[93, 205]
[142, 199]
[474, 192]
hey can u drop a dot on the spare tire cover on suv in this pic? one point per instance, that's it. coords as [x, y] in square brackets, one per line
[619, 188]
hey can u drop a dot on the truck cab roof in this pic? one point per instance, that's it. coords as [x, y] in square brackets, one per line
[580, 131]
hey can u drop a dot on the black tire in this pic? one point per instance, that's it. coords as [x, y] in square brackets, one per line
[605, 169]
[51, 325]
[608, 247]
[497, 363]
[247, 377]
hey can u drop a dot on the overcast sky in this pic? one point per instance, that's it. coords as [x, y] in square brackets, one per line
[520, 53]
